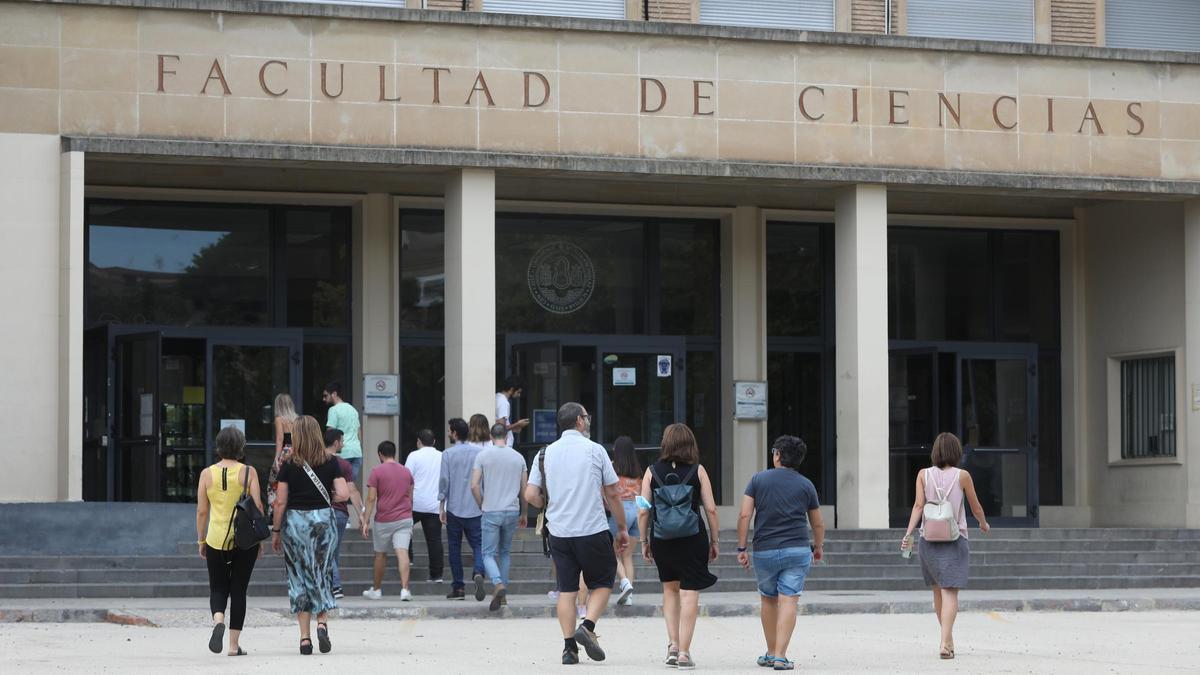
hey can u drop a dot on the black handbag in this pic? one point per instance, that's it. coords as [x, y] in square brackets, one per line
[250, 526]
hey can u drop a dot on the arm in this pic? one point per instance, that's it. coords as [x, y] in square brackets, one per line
[612, 492]
[278, 437]
[443, 487]
[476, 474]
[255, 492]
[817, 521]
[341, 493]
[968, 488]
[710, 511]
[355, 496]
[743, 529]
[522, 521]
[372, 498]
[281, 500]
[202, 511]
[644, 518]
[533, 496]
[918, 506]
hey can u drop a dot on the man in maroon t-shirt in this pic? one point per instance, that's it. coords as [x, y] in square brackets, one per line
[390, 488]
[333, 445]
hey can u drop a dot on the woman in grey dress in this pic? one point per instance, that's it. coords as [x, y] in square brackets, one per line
[945, 564]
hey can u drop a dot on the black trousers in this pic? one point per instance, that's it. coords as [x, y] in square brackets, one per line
[431, 525]
[228, 577]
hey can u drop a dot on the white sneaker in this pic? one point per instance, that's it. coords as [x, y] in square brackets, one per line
[373, 593]
[626, 592]
[405, 595]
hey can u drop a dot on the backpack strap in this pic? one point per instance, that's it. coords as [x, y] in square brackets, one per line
[655, 476]
[687, 478]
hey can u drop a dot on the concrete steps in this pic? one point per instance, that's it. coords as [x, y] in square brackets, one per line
[858, 560]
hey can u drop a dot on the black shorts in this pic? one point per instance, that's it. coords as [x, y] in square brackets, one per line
[592, 556]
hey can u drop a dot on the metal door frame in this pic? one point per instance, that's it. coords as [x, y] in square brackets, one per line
[116, 459]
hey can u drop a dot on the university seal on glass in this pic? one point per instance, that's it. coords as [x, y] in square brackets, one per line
[561, 277]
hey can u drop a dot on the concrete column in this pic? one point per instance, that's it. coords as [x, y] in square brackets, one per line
[743, 346]
[860, 247]
[471, 293]
[377, 295]
[70, 327]
[1191, 356]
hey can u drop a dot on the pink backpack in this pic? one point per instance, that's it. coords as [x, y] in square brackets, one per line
[941, 520]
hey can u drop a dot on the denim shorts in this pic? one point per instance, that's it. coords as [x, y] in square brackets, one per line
[782, 571]
[631, 520]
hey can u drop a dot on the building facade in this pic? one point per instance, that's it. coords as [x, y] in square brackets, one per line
[897, 218]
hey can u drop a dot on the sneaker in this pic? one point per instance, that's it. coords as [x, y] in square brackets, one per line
[685, 662]
[570, 656]
[553, 595]
[587, 639]
[373, 593]
[672, 659]
[498, 600]
[479, 591]
[626, 592]
[337, 592]
[456, 594]
[405, 595]
[438, 580]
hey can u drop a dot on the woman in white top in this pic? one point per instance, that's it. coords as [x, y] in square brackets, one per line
[945, 564]
[285, 419]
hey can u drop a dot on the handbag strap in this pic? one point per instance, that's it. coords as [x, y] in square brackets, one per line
[317, 481]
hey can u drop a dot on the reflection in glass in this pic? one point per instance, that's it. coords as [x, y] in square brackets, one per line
[318, 268]
[246, 380]
[689, 276]
[637, 403]
[795, 280]
[324, 362]
[939, 285]
[1001, 481]
[1029, 287]
[995, 403]
[911, 399]
[422, 270]
[423, 395]
[795, 406]
[704, 414]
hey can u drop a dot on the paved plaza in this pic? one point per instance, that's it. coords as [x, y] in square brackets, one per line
[987, 642]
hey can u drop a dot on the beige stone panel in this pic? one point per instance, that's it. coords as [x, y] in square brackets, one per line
[1115, 117]
[901, 146]
[32, 67]
[756, 141]
[1179, 120]
[982, 74]
[190, 74]
[437, 45]
[180, 32]
[351, 82]
[348, 40]
[29, 24]
[758, 61]
[508, 90]
[519, 130]
[33, 111]
[598, 134]
[982, 150]
[820, 64]
[740, 100]
[243, 77]
[181, 116]
[1181, 160]
[1124, 156]
[1054, 77]
[256, 119]
[908, 70]
[270, 37]
[974, 111]
[416, 85]
[668, 137]
[918, 107]
[99, 28]
[100, 112]
[436, 126]
[599, 93]
[342, 123]
[1125, 81]
[1055, 153]
[838, 106]
[833, 144]
[1181, 83]
[680, 97]
[596, 53]
[99, 69]
[1035, 115]
[522, 49]
[692, 59]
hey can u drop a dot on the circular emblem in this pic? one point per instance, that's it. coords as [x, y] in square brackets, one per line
[561, 277]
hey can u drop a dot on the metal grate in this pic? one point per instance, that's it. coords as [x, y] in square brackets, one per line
[1148, 407]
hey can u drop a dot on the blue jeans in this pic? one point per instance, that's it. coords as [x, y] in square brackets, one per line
[455, 529]
[782, 571]
[341, 517]
[498, 530]
[356, 464]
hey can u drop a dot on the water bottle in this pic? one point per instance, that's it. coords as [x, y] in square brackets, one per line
[906, 550]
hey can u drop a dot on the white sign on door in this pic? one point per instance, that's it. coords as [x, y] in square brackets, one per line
[750, 400]
[381, 394]
[624, 377]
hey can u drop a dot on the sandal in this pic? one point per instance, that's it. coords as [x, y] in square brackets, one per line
[946, 654]
[323, 638]
[784, 664]
[306, 649]
[685, 662]
[765, 661]
[239, 652]
[214, 642]
[672, 655]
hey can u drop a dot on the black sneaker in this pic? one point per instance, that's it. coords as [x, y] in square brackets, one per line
[456, 594]
[479, 592]
[587, 639]
[337, 592]
[499, 598]
[570, 656]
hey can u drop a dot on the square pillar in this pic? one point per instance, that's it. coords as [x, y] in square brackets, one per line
[743, 346]
[70, 327]
[471, 293]
[1190, 452]
[860, 251]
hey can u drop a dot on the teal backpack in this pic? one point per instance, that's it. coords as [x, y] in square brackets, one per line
[673, 516]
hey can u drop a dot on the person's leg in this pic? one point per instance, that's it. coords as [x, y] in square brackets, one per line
[490, 538]
[948, 613]
[474, 538]
[341, 519]
[218, 583]
[405, 568]
[305, 621]
[599, 566]
[380, 566]
[785, 623]
[566, 613]
[454, 533]
[769, 614]
[671, 611]
[689, 609]
[433, 545]
[508, 530]
[937, 603]
[239, 581]
[400, 543]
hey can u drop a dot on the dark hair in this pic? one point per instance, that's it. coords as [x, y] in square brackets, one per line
[334, 387]
[625, 461]
[511, 383]
[425, 436]
[332, 435]
[791, 451]
[478, 429]
[568, 413]
[679, 445]
[387, 449]
[458, 426]
[231, 443]
[499, 431]
[947, 451]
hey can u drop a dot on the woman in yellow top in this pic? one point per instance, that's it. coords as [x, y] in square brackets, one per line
[229, 567]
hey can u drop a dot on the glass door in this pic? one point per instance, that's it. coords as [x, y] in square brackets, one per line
[138, 357]
[538, 365]
[912, 424]
[642, 390]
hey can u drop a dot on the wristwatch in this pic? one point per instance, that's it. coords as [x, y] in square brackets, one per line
[274, 529]
[741, 549]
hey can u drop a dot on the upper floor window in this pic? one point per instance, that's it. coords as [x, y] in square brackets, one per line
[589, 9]
[802, 14]
[1004, 20]
[1153, 24]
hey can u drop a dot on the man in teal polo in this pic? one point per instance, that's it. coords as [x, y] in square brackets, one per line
[344, 417]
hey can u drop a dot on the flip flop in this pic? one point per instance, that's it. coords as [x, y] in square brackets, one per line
[218, 636]
[240, 652]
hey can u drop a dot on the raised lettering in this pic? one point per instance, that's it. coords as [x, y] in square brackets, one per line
[262, 78]
[662, 95]
[162, 71]
[894, 107]
[996, 113]
[437, 82]
[697, 97]
[325, 80]
[945, 107]
[804, 109]
[383, 97]
[1141, 124]
[220, 75]
[480, 85]
[545, 90]
[1089, 115]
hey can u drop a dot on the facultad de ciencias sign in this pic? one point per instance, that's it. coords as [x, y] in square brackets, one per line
[536, 91]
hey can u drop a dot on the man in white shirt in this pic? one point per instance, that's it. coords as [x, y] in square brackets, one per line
[425, 463]
[512, 389]
[575, 476]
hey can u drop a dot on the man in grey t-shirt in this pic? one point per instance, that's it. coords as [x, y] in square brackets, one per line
[498, 485]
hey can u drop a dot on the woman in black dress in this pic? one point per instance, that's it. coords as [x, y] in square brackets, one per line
[682, 562]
